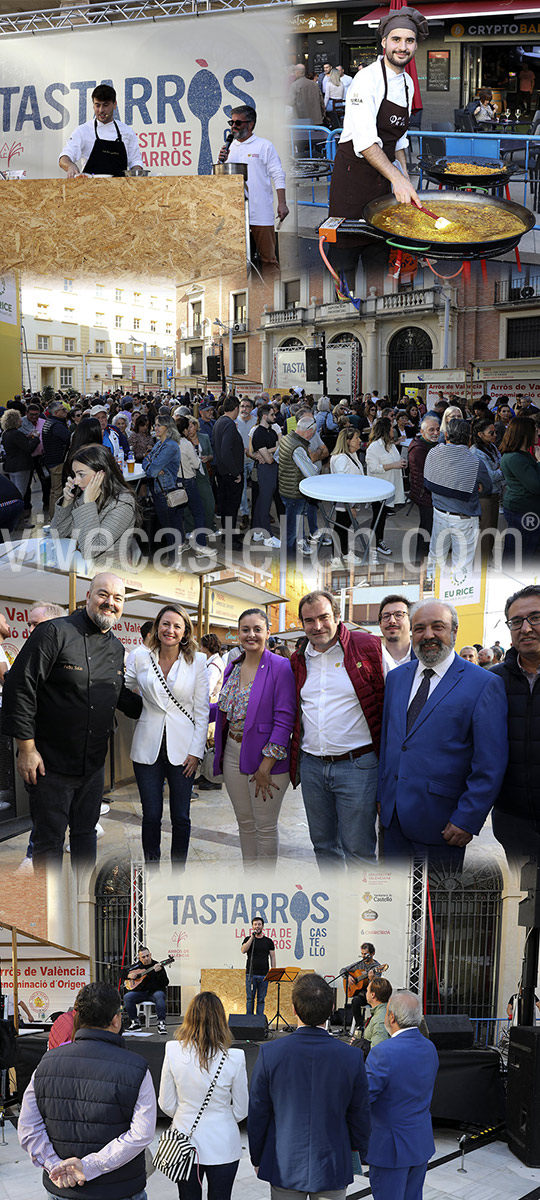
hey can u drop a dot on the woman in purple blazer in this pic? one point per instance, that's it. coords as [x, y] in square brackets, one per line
[255, 717]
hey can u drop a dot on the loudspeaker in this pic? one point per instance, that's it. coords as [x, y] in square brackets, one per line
[450, 1031]
[213, 368]
[523, 1094]
[248, 1027]
[314, 364]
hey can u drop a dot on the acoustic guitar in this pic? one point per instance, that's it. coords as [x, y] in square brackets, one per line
[136, 976]
[358, 979]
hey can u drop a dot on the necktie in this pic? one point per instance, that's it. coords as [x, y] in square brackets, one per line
[418, 700]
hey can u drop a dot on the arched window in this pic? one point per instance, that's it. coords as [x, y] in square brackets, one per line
[291, 344]
[409, 350]
[466, 918]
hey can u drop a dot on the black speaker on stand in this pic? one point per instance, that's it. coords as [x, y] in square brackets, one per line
[523, 1094]
[248, 1027]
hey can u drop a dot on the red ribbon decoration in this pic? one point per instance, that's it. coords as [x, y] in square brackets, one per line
[432, 931]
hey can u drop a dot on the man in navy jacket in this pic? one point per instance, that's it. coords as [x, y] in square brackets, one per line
[401, 1073]
[444, 744]
[308, 1107]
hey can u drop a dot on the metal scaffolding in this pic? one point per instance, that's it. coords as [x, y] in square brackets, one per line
[138, 911]
[78, 16]
[417, 926]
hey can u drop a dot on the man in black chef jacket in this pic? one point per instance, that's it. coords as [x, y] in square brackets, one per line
[377, 113]
[103, 145]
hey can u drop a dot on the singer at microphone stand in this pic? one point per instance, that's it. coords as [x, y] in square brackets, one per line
[264, 169]
[260, 951]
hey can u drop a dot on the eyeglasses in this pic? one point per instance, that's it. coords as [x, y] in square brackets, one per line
[399, 616]
[237, 124]
[516, 622]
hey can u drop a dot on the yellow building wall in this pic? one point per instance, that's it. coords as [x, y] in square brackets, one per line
[10, 338]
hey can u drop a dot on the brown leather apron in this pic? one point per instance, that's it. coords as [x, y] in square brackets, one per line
[354, 181]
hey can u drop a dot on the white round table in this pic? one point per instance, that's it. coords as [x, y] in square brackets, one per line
[348, 489]
[132, 476]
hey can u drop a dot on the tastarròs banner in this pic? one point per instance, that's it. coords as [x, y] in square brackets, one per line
[176, 82]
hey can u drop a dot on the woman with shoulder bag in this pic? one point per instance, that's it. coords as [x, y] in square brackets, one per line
[170, 736]
[204, 1089]
[162, 466]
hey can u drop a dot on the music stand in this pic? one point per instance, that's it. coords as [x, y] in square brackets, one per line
[281, 975]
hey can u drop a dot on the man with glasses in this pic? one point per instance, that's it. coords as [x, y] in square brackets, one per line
[395, 627]
[444, 747]
[264, 168]
[516, 815]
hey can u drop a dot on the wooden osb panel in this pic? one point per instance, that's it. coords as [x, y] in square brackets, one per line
[171, 230]
[230, 986]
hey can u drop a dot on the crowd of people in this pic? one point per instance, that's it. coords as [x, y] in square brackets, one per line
[348, 716]
[315, 1113]
[226, 467]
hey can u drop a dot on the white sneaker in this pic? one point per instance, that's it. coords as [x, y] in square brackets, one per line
[352, 560]
[304, 548]
[100, 832]
[336, 562]
[258, 536]
[273, 543]
[105, 808]
[326, 541]
[382, 548]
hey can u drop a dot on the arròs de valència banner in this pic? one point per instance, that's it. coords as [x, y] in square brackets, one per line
[176, 82]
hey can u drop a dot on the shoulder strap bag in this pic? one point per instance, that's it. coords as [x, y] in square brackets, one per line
[176, 1153]
[176, 495]
[167, 689]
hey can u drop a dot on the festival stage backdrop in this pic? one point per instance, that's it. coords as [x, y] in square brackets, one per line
[317, 923]
[176, 82]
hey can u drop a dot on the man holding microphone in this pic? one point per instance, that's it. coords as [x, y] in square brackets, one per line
[260, 951]
[264, 168]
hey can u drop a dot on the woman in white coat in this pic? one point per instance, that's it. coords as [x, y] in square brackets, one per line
[200, 1047]
[170, 735]
[384, 461]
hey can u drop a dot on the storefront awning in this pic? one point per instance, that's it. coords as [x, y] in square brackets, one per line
[460, 8]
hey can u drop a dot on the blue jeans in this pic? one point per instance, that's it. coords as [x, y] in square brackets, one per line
[196, 505]
[168, 518]
[530, 537]
[295, 507]
[150, 782]
[255, 987]
[243, 510]
[219, 1177]
[340, 802]
[132, 999]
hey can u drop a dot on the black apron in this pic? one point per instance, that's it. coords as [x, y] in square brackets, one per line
[107, 158]
[354, 181]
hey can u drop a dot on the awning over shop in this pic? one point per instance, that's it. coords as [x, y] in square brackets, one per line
[460, 8]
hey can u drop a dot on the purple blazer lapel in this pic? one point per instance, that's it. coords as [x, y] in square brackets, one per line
[264, 672]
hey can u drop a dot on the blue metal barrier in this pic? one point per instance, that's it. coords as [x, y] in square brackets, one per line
[478, 145]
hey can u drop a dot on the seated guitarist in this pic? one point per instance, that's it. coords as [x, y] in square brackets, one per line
[359, 976]
[146, 980]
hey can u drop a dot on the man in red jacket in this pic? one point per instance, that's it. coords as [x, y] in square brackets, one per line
[339, 688]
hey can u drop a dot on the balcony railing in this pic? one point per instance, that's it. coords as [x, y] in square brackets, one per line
[517, 291]
[285, 316]
[416, 298]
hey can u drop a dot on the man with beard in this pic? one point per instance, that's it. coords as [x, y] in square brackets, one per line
[59, 702]
[516, 815]
[444, 745]
[264, 169]
[370, 159]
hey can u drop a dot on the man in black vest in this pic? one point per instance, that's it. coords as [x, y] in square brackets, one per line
[82, 1101]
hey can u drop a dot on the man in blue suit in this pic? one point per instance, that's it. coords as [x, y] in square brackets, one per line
[401, 1073]
[444, 745]
[308, 1104]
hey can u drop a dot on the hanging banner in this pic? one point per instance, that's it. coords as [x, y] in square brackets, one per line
[290, 370]
[339, 370]
[316, 925]
[178, 103]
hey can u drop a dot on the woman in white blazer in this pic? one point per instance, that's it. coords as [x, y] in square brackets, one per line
[384, 460]
[170, 735]
[191, 1062]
